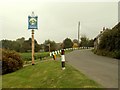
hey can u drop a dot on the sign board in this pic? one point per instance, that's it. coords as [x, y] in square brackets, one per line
[32, 22]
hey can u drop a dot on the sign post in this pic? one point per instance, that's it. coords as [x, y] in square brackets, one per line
[32, 24]
[33, 47]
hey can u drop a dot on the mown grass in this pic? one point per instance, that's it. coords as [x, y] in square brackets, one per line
[47, 74]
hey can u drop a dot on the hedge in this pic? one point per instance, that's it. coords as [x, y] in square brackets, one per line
[11, 61]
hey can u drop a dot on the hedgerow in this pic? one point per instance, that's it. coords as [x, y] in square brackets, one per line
[11, 61]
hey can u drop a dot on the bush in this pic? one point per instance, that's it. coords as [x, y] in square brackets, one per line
[113, 54]
[11, 61]
[117, 54]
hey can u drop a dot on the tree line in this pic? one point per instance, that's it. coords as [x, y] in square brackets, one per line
[22, 45]
[19, 45]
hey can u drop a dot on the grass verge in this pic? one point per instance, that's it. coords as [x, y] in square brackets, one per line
[47, 74]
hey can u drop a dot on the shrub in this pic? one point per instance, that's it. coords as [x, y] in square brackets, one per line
[117, 54]
[113, 54]
[11, 61]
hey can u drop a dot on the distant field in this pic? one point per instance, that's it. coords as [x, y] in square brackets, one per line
[39, 55]
[47, 74]
[27, 56]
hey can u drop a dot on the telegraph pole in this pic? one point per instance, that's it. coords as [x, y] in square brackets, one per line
[78, 32]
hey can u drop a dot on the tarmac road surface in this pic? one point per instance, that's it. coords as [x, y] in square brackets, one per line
[103, 70]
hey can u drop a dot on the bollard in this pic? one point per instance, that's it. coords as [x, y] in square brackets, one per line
[60, 51]
[63, 59]
[54, 55]
[50, 54]
[56, 52]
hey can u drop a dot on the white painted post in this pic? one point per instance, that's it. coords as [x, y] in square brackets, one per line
[63, 59]
[56, 52]
[50, 54]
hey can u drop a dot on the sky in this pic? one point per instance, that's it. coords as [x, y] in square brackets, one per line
[58, 19]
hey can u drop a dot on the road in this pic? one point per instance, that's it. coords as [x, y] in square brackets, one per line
[101, 69]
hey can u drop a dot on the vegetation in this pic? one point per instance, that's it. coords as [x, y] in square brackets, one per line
[28, 57]
[47, 75]
[51, 44]
[67, 43]
[11, 61]
[112, 54]
[85, 42]
[110, 42]
[20, 45]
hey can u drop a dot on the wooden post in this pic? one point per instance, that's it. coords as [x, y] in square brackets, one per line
[33, 47]
[49, 47]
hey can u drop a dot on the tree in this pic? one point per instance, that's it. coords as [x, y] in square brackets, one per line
[27, 46]
[7, 44]
[15, 46]
[75, 41]
[41, 47]
[110, 42]
[52, 44]
[20, 45]
[11, 45]
[91, 43]
[59, 46]
[20, 41]
[67, 43]
[37, 46]
[84, 41]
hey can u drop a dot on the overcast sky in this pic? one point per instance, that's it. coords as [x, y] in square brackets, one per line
[57, 20]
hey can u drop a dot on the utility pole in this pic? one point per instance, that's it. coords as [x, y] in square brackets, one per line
[78, 32]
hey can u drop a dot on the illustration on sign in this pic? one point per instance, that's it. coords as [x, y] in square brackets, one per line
[32, 22]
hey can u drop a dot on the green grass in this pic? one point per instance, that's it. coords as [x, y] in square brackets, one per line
[27, 56]
[47, 74]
